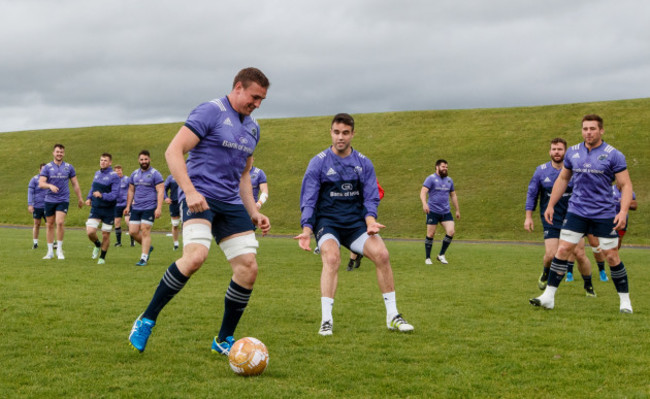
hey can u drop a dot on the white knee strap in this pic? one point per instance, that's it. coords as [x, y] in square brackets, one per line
[240, 245]
[176, 222]
[608, 242]
[94, 223]
[107, 228]
[197, 233]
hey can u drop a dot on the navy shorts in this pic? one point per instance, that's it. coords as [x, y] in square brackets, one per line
[106, 215]
[345, 236]
[51, 208]
[119, 211]
[226, 219]
[143, 216]
[435, 218]
[603, 228]
[551, 232]
[174, 209]
[39, 213]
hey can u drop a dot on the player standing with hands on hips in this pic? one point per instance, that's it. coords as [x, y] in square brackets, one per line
[594, 164]
[216, 201]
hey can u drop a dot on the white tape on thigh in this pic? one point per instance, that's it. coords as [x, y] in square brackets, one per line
[595, 250]
[326, 237]
[197, 233]
[608, 242]
[94, 223]
[107, 228]
[240, 245]
[570, 236]
[176, 222]
[357, 245]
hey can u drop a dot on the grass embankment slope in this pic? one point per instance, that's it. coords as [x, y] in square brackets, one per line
[492, 154]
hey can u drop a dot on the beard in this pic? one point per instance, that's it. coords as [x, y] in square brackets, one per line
[144, 165]
[443, 173]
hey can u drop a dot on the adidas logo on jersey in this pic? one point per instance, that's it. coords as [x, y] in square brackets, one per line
[227, 122]
[547, 180]
[331, 172]
[576, 155]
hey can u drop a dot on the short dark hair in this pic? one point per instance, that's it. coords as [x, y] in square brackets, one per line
[438, 162]
[594, 117]
[61, 146]
[107, 155]
[251, 75]
[117, 167]
[144, 152]
[41, 165]
[559, 140]
[344, 118]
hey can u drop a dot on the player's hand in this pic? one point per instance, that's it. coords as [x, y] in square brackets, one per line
[548, 215]
[87, 202]
[457, 215]
[620, 221]
[80, 203]
[157, 213]
[258, 205]
[168, 200]
[425, 208]
[30, 209]
[126, 211]
[196, 202]
[304, 239]
[97, 194]
[54, 188]
[262, 222]
[374, 228]
[528, 225]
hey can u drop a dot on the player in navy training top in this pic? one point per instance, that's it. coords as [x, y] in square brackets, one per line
[260, 186]
[171, 199]
[144, 203]
[540, 187]
[436, 191]
[36, 205]
[616, 192]
[120, 205]
[102, 198]
[216, 199]
[338, 203]
[56, 176]
[594, 164]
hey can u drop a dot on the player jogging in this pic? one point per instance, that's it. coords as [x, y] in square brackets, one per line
[102, 198]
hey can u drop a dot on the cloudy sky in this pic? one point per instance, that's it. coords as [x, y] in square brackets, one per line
[71, 63]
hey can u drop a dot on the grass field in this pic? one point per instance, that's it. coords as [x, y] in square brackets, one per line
[64, 327]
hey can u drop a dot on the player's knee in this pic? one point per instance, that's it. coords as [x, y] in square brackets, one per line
[331, 260]
[246, 269]
[240, 245]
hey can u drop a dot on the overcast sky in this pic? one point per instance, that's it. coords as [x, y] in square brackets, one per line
[71, 63]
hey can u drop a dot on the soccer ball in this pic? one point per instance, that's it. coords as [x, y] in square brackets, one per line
[248, 356]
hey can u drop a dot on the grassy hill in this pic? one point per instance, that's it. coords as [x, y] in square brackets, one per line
[492, 154]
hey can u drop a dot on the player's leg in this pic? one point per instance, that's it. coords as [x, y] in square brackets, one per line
[36, 229]
[176, 222]
[134, 226]
[584, 267]
[375, 249]
[107, 227]
[609, 246]
[551, 241]
[450, 230]
[60, 231]
[598, 256]
[145, 241]
[621, 234]
[330, 254]
[571, 260]
[197, 237]
[428, 240]
[91, 231]
[117, 222]
[50, 220]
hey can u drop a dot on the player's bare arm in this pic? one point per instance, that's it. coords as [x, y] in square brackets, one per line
[180, 145]
[623, 180]
[304, 238]
[528, 223]
[160, 191]
[423, 198]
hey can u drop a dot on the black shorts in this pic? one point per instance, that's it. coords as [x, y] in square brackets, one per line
[174, 209]
[39, 213]
[435, 218]
[106, 215]
[51, 208]
[603, 228]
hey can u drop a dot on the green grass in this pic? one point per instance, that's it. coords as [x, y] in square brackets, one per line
[492, 155]
[64, 327]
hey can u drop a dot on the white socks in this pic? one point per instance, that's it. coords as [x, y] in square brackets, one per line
[326, 305]
[391, 305]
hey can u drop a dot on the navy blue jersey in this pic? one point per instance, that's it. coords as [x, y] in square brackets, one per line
[172, 187]
[540, 187]
[107, 182]
[339, 192]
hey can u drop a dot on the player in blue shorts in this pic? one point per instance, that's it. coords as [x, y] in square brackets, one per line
[540, 186]
[120, 205]
[171, 199]
[436, 191]
[56, 177]
[338, 203]
[594, 164]
[216, 201]
[102, 198]
[144, 203]
[36, 205]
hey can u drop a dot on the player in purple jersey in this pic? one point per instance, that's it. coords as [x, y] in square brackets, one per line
[120, 205]
[338, 203]
[260, 186]
[436, 191]
[36, 205]
[540, 186]
[144, 203]
[55, 177]
[594, 164]
[216, 201]
[171, 187]
[102, 198]
[616, 192]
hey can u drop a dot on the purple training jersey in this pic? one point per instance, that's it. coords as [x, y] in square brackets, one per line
[257, 177]
[58, 175]
[439, 190]
[338, 192]
[617, 197]
[145, 182]
[541, 186]
[227, 139]
[35, 194]
[124, 191]
[593, 174]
